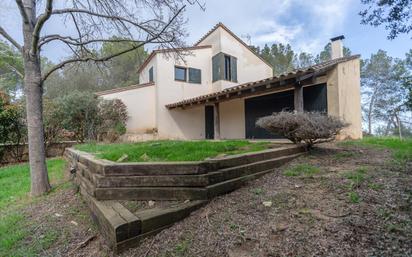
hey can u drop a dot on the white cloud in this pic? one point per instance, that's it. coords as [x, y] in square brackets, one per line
[278, 33]
[306, 25]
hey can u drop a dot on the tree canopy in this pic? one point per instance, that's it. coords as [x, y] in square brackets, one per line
[384, 93]
[284, 59]
[395, 15]
[11, 69]
[117, 72]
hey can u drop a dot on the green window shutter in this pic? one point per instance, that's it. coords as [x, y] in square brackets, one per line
[195, 76]
[151, 74]
[233, 66]
[218, 64]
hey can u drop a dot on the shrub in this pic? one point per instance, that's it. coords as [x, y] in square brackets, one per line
[88, 117]
[79, 112]
[53, 122]
[12, 126]
[309, 127]
[113, 115]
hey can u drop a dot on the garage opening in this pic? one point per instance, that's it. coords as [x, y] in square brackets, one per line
[314, 99]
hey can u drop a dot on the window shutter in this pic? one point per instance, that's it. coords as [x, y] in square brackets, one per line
[218, 65]
[233, 64]
[215, 68]
[195, 75]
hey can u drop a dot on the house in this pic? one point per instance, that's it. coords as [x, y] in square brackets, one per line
[221, 87]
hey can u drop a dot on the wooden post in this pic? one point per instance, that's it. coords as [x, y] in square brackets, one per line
[298, 98]
[216, 121]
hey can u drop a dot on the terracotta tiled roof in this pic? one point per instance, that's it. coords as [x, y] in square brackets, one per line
[153, 53]
[317, 68]
[221, 25]
[121, 89]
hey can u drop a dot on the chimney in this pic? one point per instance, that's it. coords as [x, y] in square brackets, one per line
[337, 47]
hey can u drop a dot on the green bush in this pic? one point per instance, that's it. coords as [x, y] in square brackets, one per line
[52, 120]
[12, 126]
[113, 119]
[79, 116]
[90, 118]
[79, 113]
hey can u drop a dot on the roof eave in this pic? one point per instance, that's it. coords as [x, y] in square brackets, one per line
[154, 52]
[122, 89]
[299, 74]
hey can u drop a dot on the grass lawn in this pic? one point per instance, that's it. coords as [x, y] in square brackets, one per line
[15, 181]
[14, 226]
[171, 150]
[402, 149]
[301, 170]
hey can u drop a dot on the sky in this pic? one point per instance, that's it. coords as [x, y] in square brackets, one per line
[306, 25]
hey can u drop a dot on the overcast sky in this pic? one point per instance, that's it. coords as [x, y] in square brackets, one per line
[306, 25]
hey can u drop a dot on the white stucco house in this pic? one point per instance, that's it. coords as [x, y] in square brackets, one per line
[222, 86]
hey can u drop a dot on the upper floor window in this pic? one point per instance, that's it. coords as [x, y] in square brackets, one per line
[190, 75]
[180, 73]
[195, 76]
[228, 68]
[224, 67]
[151, 74]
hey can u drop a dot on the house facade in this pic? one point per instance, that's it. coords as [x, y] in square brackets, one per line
[217, 89]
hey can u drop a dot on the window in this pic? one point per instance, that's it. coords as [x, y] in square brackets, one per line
[195, 76]
[224, 67]
[151, 74]
[180, 73]
[190, 75]
[228, 69]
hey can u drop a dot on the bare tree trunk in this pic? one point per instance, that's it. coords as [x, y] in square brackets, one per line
[370, 111]
[369, 122]
[34, 108]
[398, 121]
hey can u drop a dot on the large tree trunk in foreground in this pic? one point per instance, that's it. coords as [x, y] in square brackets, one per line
[37, 154]
[34, 108]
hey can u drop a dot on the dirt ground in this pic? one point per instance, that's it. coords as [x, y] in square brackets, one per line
[327, 213]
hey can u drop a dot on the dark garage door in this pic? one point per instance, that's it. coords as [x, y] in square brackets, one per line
[314, 99]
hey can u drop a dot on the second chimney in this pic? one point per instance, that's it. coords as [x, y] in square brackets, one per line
[337, 47]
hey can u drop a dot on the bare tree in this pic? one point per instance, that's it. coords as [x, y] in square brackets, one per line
[137, 21]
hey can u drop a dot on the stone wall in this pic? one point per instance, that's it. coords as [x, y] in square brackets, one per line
[53, 150]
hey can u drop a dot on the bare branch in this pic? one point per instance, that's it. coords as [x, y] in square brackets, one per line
[10, 39]
[23, 13]
[39, 25]
[77, 42]
[89, 58]
[78, 32]
[14, 68]
[112, 17]
[202, 6]
[108, 57]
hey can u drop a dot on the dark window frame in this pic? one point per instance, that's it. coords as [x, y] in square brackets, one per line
[224, 67]
[227, 75]
[182, 68]
[151, 74]
[194, 81]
